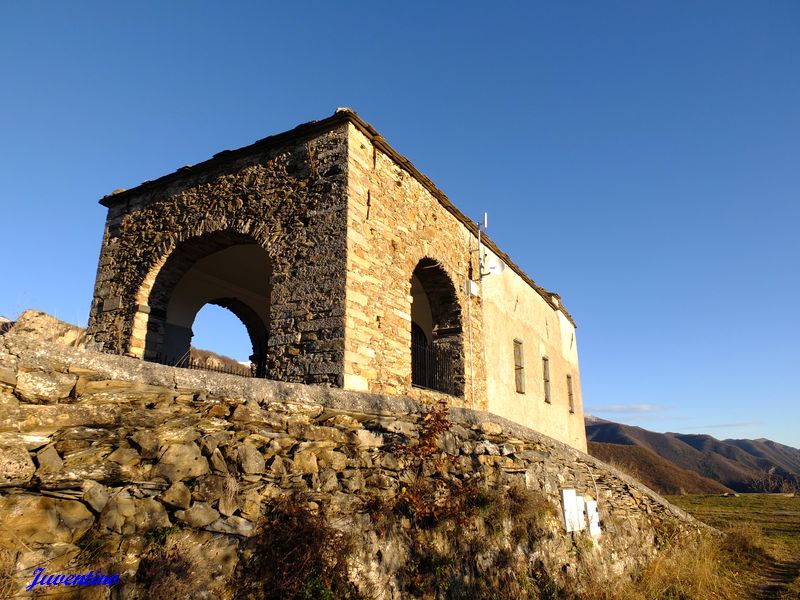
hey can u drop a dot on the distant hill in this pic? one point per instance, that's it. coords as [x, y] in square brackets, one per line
[655, 472]
[742, 465]
[205, 359]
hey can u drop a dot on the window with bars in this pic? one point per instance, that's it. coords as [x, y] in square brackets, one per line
[546, 378]
[519, 367]
[570, 395]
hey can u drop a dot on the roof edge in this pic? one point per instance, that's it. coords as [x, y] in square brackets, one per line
[553, 299]
[312, 128]
[305, 130]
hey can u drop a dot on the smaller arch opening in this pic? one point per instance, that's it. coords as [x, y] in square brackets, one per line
[228, 338]
[437, 349]
[217, 329]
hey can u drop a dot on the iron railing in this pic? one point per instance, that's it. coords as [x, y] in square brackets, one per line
[188, 362]
[432, 368]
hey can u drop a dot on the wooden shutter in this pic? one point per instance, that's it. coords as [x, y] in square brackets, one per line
[570, 396]
[546, 378]
[519, 367]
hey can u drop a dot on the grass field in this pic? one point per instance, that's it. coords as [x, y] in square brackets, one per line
[771, 525]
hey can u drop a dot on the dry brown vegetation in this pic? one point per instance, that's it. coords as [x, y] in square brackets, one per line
[763, 539]
[689, 569]
[753, 555]
[654, 471]
[295, 555]
[8, 564]
[166, 572]
[792, 591]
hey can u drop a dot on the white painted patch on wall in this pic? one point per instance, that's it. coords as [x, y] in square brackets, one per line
[472, 288]
[573, 520]
[581, 510]
[593, 516]
[577, 511]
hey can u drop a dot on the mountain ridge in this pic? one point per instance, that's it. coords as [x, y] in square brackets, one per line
[742, 465]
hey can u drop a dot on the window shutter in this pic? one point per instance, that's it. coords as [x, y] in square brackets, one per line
[546, 378]
[570, 395]
[519, 367]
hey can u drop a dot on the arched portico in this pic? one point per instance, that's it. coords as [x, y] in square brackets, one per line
[226, 268]
[437, 346]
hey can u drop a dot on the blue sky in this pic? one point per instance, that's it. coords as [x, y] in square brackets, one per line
[642, 159]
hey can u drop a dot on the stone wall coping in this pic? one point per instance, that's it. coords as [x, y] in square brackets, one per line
[312, 129]
[23, 350]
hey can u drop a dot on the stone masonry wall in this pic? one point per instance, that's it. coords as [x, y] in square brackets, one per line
[102, 455]
[393, 223]
[344, 221]
[287, 198]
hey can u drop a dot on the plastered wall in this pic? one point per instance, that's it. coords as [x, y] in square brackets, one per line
[517, 312]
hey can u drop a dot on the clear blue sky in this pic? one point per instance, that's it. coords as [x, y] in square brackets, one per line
[640, 158]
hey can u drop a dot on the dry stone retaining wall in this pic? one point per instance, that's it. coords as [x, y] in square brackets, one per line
[105, 453]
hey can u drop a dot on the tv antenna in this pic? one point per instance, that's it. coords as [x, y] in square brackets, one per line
[492, 264]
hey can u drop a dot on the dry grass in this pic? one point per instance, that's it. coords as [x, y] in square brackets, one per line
[792, 591]
[776, 515]
[763, 537]
[745, 543]
[295, 555]
[697, 568]
[8, 564]
[454, 554]
[687, 569]
[166, 571]
[524, 510]
[727, 565]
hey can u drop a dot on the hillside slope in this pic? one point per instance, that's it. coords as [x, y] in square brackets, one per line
[742, 465]
[655, 472]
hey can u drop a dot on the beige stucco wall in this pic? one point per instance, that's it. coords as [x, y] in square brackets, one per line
[513, 310]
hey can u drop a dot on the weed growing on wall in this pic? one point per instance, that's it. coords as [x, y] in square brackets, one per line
[159, 535]
[8, 562]
[456, 527]
[92, 549]
[295, 555]
[430, 494]
[476, 560]
[165, 571]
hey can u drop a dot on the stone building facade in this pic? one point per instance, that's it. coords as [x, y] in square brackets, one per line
[348, 267]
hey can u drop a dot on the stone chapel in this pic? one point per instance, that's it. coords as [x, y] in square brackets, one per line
[348, 267]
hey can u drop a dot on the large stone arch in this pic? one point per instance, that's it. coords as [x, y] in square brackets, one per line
[286, 194]
[225, 267]
[437, 327]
